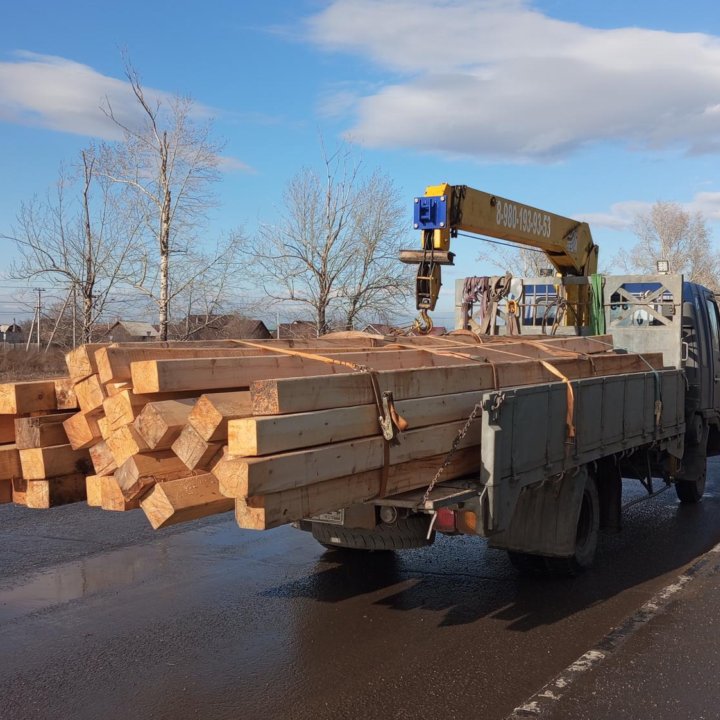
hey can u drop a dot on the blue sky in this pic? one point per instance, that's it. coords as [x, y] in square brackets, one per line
[588, 109]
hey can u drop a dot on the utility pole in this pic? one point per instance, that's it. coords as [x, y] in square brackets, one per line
[74, 312]
[38, 308]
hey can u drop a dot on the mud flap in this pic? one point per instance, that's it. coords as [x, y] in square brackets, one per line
[546, 516]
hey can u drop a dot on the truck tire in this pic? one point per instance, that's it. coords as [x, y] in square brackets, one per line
[691, 491]
[404, 534]
[691, 487]
[586, 537]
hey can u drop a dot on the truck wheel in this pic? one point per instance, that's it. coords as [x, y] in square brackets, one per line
[404, 534]
[691, 491]
[586, 537]
[691, 486]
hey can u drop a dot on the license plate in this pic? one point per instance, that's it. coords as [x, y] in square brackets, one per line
[336, 517]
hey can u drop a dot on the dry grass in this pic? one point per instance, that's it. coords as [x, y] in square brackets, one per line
[19, 364]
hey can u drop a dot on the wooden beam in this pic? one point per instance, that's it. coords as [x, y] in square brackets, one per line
[82, 430]
[93, 490]
[195, 452]
[43, 494]
[281, 433]
[114, 362]
[160, 423]
[90, 395]
[112, 499]
[242, 477]
[25, 397]
[5, 491]
[140, 472]
[154, 376]
[124, 443]
[213, 411]
[123, 408]
[7, 428]
[65, 393]
[304, 394]
[10, 466]
[19, 490]
[177, 501]
[53, 461]
[81, 361]
[268, 511]
[102, 458]
[41, 431]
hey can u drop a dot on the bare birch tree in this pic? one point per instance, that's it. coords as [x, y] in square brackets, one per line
[667, 232]
[78, 240]
[334, 249]
[170, 163]
[519, 261]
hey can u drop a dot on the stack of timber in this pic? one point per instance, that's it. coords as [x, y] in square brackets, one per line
[38, 468]
[282, 430]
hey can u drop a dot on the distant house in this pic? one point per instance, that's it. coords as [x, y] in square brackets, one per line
[130, 331]
[220, 327]
[11, 334]
[297, 329]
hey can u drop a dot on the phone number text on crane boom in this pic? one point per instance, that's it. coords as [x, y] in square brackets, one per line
[519, 217]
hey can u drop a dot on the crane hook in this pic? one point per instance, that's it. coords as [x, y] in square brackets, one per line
[423, 324]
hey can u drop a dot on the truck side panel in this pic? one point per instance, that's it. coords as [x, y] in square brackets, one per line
[525, 439]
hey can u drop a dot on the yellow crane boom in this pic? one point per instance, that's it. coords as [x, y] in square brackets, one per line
[446, 209]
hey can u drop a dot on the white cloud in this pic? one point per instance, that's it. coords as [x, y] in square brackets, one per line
[60, 94]
[229, 164]
[621, 215]
[498, 80]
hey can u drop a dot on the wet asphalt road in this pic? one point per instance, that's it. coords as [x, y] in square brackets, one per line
[102, 618]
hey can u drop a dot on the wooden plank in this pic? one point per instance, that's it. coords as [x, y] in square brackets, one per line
[102, 458]
[140, 472]
[124, 443]
[104, 427]
[154, 376]
[160, 423]
[304, 394]
[282, 433]
[90, 395]
[242, 477]
[123, 408]
[82, 430]
[26, 397]
[186, 499]
[93, 490]
[65, 393]
[5, 491]
[195, 452]
[10, 466]
[41, 431]
[268, 511]
[19, 490]
[7, 428]
[114, 362]
[43, 494]
[53, 461]
[112, 499]
[81, 361]
[213, 411]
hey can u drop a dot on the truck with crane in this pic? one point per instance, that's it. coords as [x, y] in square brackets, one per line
[554, 455]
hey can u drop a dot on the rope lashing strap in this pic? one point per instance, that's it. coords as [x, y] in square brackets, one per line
[395, 418]
[570, 416]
